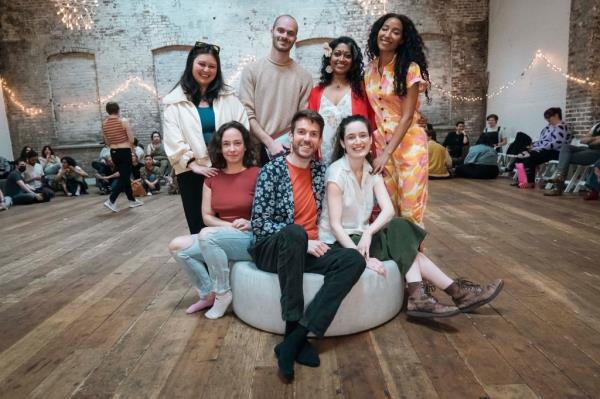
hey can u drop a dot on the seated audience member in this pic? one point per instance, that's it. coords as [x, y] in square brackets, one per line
[71, 178]
[157, 150]
[5, 167]
[496, 135]
[226, 206]
[5, 202]
[150, 175]
[547, 148]
[593, 183]
[289, 195]
[481, 162]
[138, 149]
[344, 223]
[439, 157]
[106, 175]
[456, 142]
[578, 155]
[24, 151]
[136, 177]
[19, 191]
[51, 164]
[34, 175]
[104, 153]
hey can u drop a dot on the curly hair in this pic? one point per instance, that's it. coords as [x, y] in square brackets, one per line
[354, 75]
[338, 150]
[411, 49]
[215, 149]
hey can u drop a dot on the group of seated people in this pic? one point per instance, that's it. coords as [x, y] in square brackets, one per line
[150, 167]
[296, 215]
[455, 157]
[34, 178]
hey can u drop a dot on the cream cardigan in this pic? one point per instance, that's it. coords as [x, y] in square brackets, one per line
[182, 130]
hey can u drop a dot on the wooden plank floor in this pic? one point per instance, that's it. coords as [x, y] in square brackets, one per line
[92, 305]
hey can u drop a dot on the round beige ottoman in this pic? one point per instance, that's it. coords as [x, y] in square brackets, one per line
[373, 300]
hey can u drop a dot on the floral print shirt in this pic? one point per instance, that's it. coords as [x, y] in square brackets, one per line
[273, 206]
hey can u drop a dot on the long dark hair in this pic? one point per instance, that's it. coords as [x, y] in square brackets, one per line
[338, 150]
[354, 75]
[215, 149]
[411, 49]
[189, 85]
[44, 150]
[70, 161]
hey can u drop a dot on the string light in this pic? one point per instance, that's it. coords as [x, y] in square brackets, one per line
[247, 59]
[29, 111]
[125, 86]
[539, 55]
[373, 7]
[76, 14]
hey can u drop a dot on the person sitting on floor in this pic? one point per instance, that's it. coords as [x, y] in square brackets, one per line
[5, 202]
[289, 195]
[439, 158]
[226, 205]
[34, 175]
[71, 178]
[150, 175]
[593, 184]
[344, 223]
[547, 148]
[19, 191]
[456, 142]
[136, 176]
[51, 164]
[106, 175]
[577, 155]
[138, 149]
[481, 162]
[157, 149]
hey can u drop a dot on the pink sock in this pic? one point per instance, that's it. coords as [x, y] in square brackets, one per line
[203, 303]
[521, 175]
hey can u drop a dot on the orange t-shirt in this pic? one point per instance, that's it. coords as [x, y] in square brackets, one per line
[305, 206]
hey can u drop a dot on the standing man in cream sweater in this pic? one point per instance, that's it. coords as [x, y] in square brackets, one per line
[273, 88]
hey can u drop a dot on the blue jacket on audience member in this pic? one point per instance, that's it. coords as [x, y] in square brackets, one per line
[481, 154]
[273, 206]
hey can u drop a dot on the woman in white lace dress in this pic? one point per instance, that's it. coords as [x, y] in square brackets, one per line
[340, 91]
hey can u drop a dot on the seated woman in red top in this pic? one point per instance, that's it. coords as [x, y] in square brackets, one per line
[340, 91]
[226, 207]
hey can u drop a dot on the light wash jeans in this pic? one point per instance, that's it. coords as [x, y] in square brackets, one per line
[215, 250]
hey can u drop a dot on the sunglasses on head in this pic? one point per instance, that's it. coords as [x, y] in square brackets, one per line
[211, 46]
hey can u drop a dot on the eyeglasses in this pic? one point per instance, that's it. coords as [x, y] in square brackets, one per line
[211, 46]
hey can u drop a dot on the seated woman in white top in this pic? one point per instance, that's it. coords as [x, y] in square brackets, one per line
[351, 194]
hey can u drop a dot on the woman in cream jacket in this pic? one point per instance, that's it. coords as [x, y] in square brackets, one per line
[194, 110]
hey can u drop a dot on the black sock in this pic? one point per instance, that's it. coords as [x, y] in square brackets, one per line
[289, 349]
[289, 327]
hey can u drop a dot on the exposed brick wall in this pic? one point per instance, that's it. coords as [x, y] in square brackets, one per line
[583, 102]
[147, 39]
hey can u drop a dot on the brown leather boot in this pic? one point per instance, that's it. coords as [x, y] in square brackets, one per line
[469, 296]
[421, 304]
[559, 186]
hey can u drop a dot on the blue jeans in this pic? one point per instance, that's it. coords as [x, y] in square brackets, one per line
[214, 248]
[592, 180]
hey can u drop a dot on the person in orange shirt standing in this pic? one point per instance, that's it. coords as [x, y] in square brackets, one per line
[394, 78]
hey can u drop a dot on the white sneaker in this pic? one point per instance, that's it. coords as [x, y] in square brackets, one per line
[148, 194]
[136, 203]
[111, 205]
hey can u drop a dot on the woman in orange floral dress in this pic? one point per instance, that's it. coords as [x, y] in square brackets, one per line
[395, 77]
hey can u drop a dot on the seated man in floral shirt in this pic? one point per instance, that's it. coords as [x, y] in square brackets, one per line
[287, 203]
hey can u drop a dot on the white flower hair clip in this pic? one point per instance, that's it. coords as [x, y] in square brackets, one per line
[327, 50]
